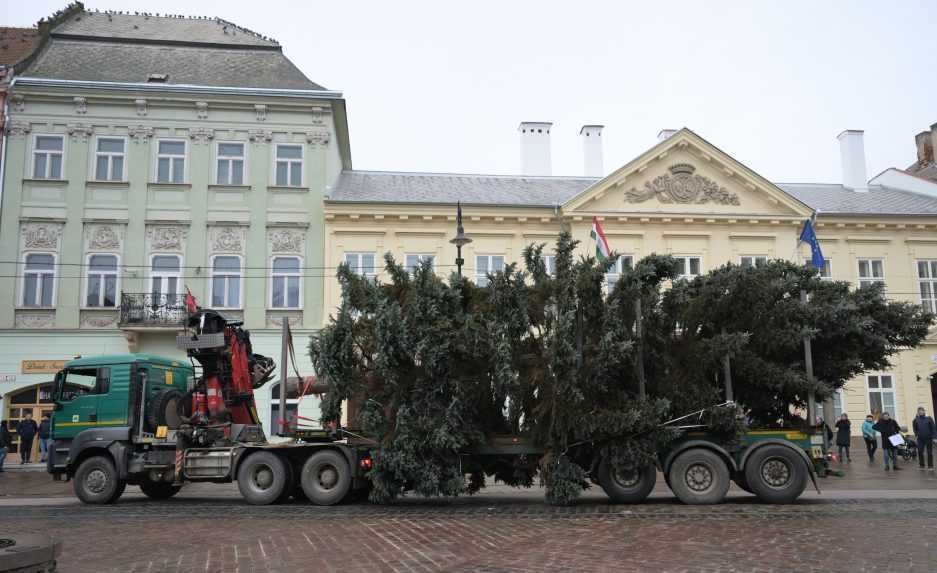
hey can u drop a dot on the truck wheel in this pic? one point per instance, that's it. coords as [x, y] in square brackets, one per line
[164, 410]
[326, 478]
[699, 477]
[159, 490]
[97, 482]
[630, 487]
[776, 474]
[262, 478]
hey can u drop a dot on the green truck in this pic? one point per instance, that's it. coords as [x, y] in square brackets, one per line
[129, 419]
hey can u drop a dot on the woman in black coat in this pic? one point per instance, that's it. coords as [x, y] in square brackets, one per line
[843, 434]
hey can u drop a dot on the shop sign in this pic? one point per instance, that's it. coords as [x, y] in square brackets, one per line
[42, 366]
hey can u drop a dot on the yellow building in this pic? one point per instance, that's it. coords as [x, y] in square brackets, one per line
[682, 197]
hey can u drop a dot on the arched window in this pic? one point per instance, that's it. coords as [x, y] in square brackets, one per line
[226, 282]
[285, 283]
[39, 280]
[101, 289]
[165, 273]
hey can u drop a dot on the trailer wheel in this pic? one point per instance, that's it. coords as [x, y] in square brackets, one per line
[699, 476]
[326, 478]
[262, 478]
[776, 474]
[159, 489]
[631, 487]
[96, 481]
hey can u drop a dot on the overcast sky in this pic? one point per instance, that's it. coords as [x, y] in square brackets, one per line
[434, 87]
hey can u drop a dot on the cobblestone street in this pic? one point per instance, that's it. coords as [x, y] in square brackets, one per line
[866, 521]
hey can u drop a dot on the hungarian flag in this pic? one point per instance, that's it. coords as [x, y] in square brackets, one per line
[602, 251]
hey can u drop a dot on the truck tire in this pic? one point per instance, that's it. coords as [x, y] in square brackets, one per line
[632, 488]
[164, 410]
[96, 481]
[326, 477]
[262, 478]
[699, 476]
[776, 474]
[159, 489]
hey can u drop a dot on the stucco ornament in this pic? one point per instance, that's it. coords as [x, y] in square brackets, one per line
[141, 106]
[286, 241]
[18, 128]
[19, 102]
[42, 236]
[201, 134]
[103, 238]
[81, 105]
[35, 320]
[228, 240]
[140, 133]
[166, 238]
[79, 131]
[318, 137]
[99, 320]
[201, 109]
[682, 186]
[261, 111]
[260, 135]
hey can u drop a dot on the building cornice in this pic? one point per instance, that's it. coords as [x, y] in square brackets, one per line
[176, 88]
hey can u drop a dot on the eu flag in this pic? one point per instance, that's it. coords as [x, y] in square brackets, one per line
[809, 237]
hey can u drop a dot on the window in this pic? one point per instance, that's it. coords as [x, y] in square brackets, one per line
[753, 261]
[360, 263]
[289, 165]
[549, 263]
[230, 164]
[170, 161]
[226, 282]
[485, 264]
[284, 291]
[624, 263]
[871, 272]
[84, 381]
[826, 273]
[414, 261]
[101, 287]
[165, 271]
[838, 403]
[39, 280]
[109, 159]
[688, 267]
[881, 394]
[927, 275]
[47, 156]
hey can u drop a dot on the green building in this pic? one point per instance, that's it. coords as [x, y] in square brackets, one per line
[147, 155]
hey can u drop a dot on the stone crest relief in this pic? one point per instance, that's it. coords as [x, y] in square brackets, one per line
[285, 241]
[103, 238]
[228, 240]
[166, 238]
[682, 185]
[44, 236]
[140, 133]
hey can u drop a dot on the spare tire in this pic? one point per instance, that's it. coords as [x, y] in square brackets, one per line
[164, 410]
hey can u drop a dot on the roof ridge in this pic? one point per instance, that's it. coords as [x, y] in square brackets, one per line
[453, 174]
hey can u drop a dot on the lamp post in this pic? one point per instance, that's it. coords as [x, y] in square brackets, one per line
[459, 240]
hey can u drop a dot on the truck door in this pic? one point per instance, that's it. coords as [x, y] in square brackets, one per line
[77, 400]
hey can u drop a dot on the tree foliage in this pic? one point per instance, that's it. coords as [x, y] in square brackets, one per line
[441, 367]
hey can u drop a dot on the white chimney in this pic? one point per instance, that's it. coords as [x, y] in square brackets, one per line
[591, 136]
[535, 147]
[666, 134]
[852, 154]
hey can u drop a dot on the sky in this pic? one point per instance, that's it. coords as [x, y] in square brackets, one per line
[442, 86]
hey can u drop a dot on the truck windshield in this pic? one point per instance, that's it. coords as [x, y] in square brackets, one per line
[76, 382]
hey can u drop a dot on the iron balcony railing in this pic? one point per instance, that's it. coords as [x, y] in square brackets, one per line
[152, 310]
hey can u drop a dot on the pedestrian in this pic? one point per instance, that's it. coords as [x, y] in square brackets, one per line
[843, 433]
[45, 437]
[925, 431]
[6, 440]
[868, 434]
[823, 426]
[888, 428]
[27, 430]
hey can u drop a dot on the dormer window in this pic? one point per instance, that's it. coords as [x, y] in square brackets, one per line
[157, 78]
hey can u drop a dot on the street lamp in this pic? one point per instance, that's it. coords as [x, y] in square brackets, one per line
[460, 239]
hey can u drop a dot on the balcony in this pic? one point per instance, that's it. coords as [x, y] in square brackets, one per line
[151, 311]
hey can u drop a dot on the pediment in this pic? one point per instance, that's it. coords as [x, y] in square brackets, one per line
[686, 175]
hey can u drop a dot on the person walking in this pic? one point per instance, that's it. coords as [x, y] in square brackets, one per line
[868, 434]
[888, 428]
[26, 430]
[6, 440]
[925, 431]
[45, 437]
[843, 433]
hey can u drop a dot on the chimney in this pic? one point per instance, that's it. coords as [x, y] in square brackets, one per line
[852, 156]
[666, 134]
[933, 141]
[925, 146]
[535, 147]
[591, 136]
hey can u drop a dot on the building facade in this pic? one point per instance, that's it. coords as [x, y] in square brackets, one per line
[195, 158]
[682, 197]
